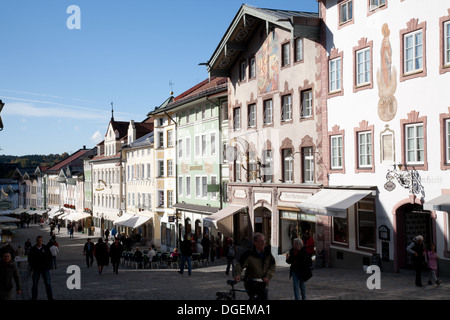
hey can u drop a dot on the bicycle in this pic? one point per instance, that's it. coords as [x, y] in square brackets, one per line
[231, 294]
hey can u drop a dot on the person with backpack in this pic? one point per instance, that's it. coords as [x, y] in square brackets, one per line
[300, 269]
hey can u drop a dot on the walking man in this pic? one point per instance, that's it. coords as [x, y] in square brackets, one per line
[186, 254]
[40, 260]
[88, 251]
[115, 253]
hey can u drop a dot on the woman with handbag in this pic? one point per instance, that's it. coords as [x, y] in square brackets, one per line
[300, 270]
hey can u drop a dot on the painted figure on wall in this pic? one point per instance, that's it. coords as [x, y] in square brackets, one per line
[268, 66]
[386, 79]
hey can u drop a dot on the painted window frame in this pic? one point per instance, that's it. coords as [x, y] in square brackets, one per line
[268, 105]
[414, 119]
[344, 5]
[367, 48]
[413, 28]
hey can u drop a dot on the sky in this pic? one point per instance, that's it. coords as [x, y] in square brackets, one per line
[63, 63]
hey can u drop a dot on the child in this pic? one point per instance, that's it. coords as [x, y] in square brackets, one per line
[432, 265]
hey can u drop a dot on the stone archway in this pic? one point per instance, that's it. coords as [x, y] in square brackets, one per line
[410, 220]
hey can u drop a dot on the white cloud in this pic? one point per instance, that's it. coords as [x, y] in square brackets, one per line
[26, 109]
[96, 137]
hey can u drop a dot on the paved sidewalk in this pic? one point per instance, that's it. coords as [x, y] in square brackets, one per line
[168, 284]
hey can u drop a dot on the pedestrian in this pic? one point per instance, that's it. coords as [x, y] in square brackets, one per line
[231, 256]
[186, 254]
[88, 251]
[219, 248]
[55, 251]
[416, 249]
[206, 246]
[432, 263]
[308, 244]
[138, 258]
[40, 260]
[115, 253]
[259, 265]
[114, 232]
[106, 234]
[27, 246]
[101, 255]
[299, 270]
[71, 229]
[213, 248]
[8, 273]
[151, 253]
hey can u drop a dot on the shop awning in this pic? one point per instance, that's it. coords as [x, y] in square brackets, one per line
[332, 202]
[54, 212]
[79, 216]
[195, 208]
[131, 221]
[441, 203]
[71, 216]
[4, 219]
[124, 217]
[39, 212]
[19, 211]
[211, 221]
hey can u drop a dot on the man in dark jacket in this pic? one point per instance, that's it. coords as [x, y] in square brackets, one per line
[186, 253]
[259, 265]
[115, 252]
[39, 260]
[416, 249]
[8, 273]
[88, 251]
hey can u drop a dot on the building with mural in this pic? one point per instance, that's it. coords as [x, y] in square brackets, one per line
[270, 57]
[385, 73]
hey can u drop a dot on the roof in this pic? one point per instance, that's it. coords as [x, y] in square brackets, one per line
[247, 21]
[74, 160]
[162, 106]
[206, 88]
[143, 141]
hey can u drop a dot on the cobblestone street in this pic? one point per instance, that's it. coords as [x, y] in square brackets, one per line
[168, 284]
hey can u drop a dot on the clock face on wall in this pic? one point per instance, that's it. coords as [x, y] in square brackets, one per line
[230, 153]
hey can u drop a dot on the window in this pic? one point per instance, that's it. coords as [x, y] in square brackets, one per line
[203, 145]
[286, 54]
[336, 152]
[252, 167]
[237, 168]
[188, 147]
[268, 112]
[213, 143]
[242, 67]
[170, 138]
[161, 168]
[340, 230]
[197, 146]
[447, 43]
[170, 168]
[188, 186]
[214, 182]
[375, 4]
[345, 12]
[414, 143]
[237, 118]
[252, 115]
[365, 149]
[180, 148]
[204, 187]
[306, 106]
[366, 224]
[363, 67]
[161, 139]
[447, 140]
[308, 165]
[198, 187]
[286, 108]
[149, 173]
[252, 68]
[298, 43]
[287, 165]
[335, 75]
[161, 198]
[413, 52]
[267, 166]
[170, 198]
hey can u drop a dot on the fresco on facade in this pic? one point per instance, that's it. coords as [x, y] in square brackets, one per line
[386, 79]
[268, 65]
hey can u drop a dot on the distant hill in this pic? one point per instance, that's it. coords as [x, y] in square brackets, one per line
[9, 163]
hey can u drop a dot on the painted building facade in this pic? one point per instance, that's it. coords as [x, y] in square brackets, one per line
[386, 68]
[274, 118]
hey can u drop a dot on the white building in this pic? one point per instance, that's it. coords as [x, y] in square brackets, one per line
[386, 70]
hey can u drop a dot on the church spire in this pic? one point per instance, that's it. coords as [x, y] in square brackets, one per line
[112, 111]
